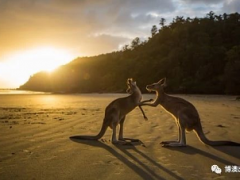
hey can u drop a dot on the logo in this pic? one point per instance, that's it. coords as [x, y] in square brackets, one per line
[216, 169]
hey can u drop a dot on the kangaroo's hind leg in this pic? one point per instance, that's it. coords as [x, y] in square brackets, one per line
[179, 137]
[121, 129]
[181, 143]
[182, 137]
[115, 121]
[121, 138]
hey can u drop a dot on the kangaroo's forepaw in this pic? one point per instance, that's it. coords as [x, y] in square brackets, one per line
[145, 117]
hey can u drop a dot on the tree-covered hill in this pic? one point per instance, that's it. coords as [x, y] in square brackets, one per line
[199, 55]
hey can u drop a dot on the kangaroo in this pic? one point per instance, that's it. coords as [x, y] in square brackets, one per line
[185, 114]
[116, 112]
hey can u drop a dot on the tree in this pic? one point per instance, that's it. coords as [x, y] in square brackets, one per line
[179, 19]
[135, 43]
[162, 22]
[210, 15]
[154, 30]
[232, 71]
[125, 47]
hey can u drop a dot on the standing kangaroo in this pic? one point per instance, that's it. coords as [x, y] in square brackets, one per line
[185, 114]
[116, 112]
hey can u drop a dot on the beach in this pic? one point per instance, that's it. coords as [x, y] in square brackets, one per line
[35, 144]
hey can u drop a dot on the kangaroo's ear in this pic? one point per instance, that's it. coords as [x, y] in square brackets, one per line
[134, 83]
[161, 81]
[164, 80]
[164, 84]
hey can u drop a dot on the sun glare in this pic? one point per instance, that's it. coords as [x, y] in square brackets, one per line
[17, 67]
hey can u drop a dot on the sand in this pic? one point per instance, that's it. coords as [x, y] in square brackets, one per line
[35, 143]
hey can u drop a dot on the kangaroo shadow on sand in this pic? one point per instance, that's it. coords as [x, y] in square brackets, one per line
[229, 150]
[140, 168]
[192, 150]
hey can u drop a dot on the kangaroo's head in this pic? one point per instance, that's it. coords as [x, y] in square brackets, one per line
[159, 86]
[132, 86]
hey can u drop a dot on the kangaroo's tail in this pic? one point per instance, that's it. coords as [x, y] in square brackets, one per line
[96, 137]
[202, 137]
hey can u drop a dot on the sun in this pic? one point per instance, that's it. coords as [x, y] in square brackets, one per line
[19, 66]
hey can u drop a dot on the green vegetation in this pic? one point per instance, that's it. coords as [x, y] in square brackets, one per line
[199, 55]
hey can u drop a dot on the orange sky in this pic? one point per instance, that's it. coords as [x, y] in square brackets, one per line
[65, 29]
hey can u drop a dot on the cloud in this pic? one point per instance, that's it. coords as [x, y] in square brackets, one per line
[198, 8]
[100, 43]
[203, 1]
[74, 24]
[217, 6]
[231, 6]
[64, 23]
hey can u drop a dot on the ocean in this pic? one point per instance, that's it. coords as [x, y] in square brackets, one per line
[13, 91]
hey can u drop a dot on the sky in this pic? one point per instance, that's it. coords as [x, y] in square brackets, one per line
[40, 35]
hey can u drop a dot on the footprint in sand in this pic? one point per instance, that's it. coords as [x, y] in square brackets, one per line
[221, 126]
